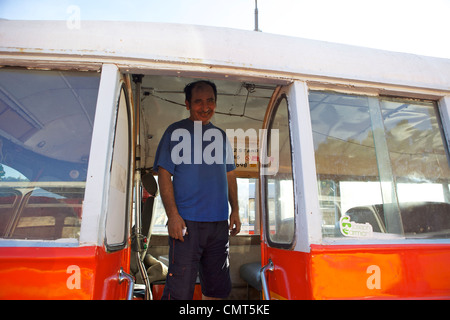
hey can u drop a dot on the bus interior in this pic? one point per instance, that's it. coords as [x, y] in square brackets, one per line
[241, 105]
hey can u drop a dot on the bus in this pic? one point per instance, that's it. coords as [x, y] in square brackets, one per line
[342, 159]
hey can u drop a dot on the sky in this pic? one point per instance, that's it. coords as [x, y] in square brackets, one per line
[413, 26]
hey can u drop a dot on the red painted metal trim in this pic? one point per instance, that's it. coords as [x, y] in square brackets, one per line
[394, 271]
[61, 273]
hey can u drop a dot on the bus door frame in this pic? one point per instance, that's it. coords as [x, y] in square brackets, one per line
[98, 226]
[285, 274]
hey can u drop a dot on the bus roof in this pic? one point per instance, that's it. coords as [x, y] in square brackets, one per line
[141, 46]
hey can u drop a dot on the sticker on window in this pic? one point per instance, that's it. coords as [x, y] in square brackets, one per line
[353, 229]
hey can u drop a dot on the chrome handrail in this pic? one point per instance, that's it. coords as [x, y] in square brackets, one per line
[265, 287]
[125, 276]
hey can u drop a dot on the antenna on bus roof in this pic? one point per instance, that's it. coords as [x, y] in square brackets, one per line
[256, 16]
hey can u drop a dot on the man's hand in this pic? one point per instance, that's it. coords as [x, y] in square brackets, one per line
[176, 225]
[235, 223]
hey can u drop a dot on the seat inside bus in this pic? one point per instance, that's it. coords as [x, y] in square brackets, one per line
[417, 217]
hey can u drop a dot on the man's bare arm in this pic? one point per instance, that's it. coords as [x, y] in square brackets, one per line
[175, 222]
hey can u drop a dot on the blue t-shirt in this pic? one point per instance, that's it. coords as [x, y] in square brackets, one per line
[198, 157]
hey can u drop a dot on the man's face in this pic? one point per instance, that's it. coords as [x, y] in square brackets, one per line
[202, 104]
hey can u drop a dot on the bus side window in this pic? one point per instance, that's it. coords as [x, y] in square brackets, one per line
[46, 123]
[382, 162]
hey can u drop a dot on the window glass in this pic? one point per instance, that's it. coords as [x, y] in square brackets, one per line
[118, 207]
[247, 189]
[159, 221]
[382, 166]
[279, 190]
[46, 120]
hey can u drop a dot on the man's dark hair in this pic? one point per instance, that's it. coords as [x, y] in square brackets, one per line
[189, 87]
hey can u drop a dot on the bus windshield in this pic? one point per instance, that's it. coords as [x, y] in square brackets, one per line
[46, 122]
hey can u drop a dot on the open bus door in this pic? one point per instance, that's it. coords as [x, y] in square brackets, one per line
[284, 222]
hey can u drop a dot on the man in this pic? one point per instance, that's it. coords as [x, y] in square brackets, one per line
[196, 201]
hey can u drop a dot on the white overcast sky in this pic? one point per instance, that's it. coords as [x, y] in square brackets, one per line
[413, 26]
